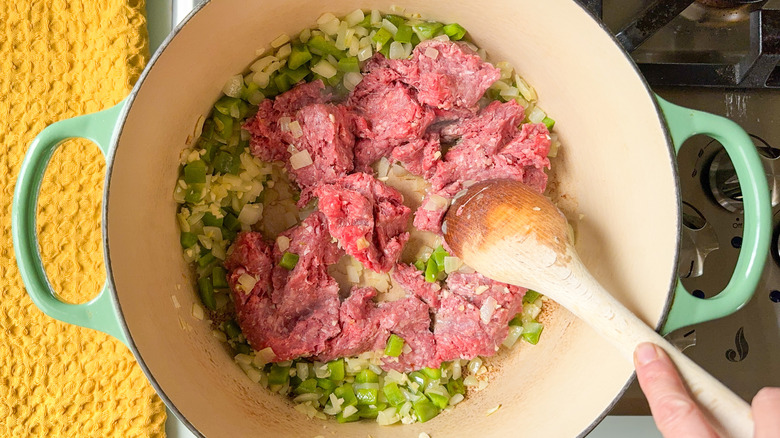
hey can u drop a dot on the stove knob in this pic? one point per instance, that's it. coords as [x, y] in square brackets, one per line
[723, 182]
[698, 240]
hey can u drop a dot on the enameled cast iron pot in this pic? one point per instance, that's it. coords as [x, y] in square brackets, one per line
[616, 169]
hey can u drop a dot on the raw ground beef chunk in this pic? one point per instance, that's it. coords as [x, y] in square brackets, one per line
[419, 156]
[301, 312]
[489, 147]
[460, 330]
[326, 136]
[367, 217]
[267, 141]
[413, 281]
[366, 325]
[251, 255]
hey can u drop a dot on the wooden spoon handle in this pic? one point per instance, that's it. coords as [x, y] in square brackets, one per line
[730, 415]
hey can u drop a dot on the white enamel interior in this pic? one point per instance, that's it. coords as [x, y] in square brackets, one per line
[615, 169]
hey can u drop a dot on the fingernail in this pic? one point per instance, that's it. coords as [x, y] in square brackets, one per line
[645, 353]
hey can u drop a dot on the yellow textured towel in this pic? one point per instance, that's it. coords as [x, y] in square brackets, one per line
[59, 59]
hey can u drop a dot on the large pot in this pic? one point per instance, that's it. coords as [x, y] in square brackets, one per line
[616, 169]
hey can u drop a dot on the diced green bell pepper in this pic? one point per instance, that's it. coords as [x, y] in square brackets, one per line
[223, 125]
[219, 277]
[427, 30]
[206, 292]
[278, 375]
[210, 220]
[432, 373]
[367, 396]
[337, 371]
[438, 400]
[232, 330]
[455, 386]
[531, 296]
[346, 392]
[404, 33]
[288, 261]
[366, 376]
[298, 56]
[188, 240]
[382, 37]
[549, 123]
[206, 259]
[431, 270]
[195, 172]
[308, 386]
[349, 64]
[455, 31]
[393, 394]
[425, 410]
[394, 346]
[532, 330]
[226, 162]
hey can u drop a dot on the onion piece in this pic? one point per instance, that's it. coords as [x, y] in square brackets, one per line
[436, 202]
[487, 310]
[250, 214]
[247, 282]
[300, 159]
[233, 86]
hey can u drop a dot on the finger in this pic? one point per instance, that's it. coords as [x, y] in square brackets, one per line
[675, 414]
[766, 413]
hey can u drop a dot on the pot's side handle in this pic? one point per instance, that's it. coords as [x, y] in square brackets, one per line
[99, 313]
[686, 309]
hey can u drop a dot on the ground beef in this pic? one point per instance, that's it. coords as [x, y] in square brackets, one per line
[251, 255]
[459, 329]
[327, 138]
[386, 115]
[454, 77]
[366, 325]
[267, 140]
[302, 311]
[413, 281]
[420, 156]
[367, 217]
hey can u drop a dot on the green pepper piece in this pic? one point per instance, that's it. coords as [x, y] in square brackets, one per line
[231, 222]
[278, 375]
[531, 296]
[419, 378]
[298, 56]
[248, 90]
[206, 259]
[420, 265]
[440, 401]
[195, 172]
[532, 330]
[194, 193]
[431, 270]
[227, 105]
[549, 123]
[319, 45]
[208, 129]
[223, 125]
[397, 20]
[288, 261]
[188, 240]
[232, 330]
[242, 348]
[219, 277]
[393, 394]
[366, 411]
[349, 64]
[438, 256]
[206, 292]
[226, 162]
[367, 376]
[210, 220]
[427, 30]
[382, 37]
[210, 146]
[326, 384]
[295, 76]
[366, 22]
[395, 345]
[432, 373]
[346, 392]
[270, 90]
[282, 82]
[337, 372]
[456, 387]
[404, 33]
[308, 386]
[455, 31]
[335, 80]
[342, 419]
[425, 410]
[367, 396]
[517, 320]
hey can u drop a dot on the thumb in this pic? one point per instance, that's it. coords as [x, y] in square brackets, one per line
[674, 412]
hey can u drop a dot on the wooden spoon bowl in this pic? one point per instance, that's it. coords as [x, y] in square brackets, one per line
[511, 233]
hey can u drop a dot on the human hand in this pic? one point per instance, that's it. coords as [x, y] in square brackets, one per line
[675, 413]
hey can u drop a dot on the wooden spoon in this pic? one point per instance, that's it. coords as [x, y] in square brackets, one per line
[510, 233]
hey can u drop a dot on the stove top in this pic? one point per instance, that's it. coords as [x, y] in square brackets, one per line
[719, 56]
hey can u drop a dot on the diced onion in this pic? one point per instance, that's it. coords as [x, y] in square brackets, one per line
[351, 79]
[280, 40]
[442, 37]
[263, 357]
[233, 86]
[349, 411]
[388, 416]
[451, 264]
[514, 334]
[510, 92]
[487, 310]
[262, 63]
[431, 53]
[365, 53]
[352, 275]
[283, 242]
[197, 312]
[470, 381]
[396, 50]
[324, 69]
[536, 115]
[326, 17]
[376, 16]
[474, 365]
[261, 79]
[455, 399]
[247, 282]
[388, 26]
[330, 27]
[300, 159]
[435, 203]
[526, 90]
[354, 17]
[250, 214]
[295, 129]
[305, 35]
[284, 51]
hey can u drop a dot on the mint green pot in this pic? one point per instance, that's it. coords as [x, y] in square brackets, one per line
[617, 163]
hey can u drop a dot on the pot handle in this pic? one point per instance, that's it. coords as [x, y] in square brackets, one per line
[686, 309]
[100, 312]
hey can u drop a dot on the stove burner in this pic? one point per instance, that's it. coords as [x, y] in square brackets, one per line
[721, 12]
